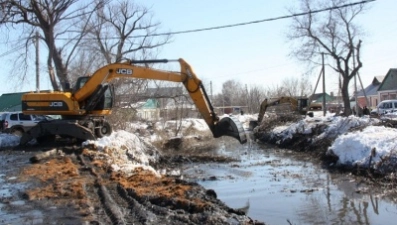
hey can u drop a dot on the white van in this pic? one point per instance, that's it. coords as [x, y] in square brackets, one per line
[387, 106]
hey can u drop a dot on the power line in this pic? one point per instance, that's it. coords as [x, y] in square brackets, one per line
[259, 21]
[243, 23]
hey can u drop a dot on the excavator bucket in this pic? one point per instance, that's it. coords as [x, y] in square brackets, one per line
[57, 127]
[229, 126]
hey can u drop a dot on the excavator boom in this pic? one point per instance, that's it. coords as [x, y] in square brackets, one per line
[88, 104]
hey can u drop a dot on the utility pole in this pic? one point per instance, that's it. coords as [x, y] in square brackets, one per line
[37, 63]
[324, 106]
[212, 99]
[355, 88]
[247, 99]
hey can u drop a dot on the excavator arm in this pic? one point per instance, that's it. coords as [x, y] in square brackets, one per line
[282, 100]
[292, 103]
[224, 127]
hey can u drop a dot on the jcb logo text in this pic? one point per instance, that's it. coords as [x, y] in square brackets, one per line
[124, 71]
[56, 104]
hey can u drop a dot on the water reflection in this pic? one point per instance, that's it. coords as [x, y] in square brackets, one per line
[281, 189]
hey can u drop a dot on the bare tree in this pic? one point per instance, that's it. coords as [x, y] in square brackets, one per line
[57, 21]
[233, 93]
[123, 29]
[295, 87]
[334, 34]
[256, 94]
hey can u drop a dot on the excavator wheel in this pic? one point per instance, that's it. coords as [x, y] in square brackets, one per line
[105, 130]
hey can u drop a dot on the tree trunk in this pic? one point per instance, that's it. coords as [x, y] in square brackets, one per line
[345, 96]
[51, 73]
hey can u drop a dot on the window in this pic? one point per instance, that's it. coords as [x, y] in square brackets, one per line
[24, 117]
[38, 117]
[14, 117]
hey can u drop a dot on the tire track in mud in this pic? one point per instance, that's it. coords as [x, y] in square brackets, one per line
[80, 183]
[111, 208]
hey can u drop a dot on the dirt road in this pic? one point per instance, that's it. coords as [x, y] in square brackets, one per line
[74, 186]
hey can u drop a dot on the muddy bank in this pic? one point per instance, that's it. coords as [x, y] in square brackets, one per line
[315, 137]
[78, 186]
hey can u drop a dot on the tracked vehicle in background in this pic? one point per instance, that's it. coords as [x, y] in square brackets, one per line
[286, 105]
[84, 109]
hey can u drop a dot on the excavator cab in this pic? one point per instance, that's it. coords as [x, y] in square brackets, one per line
[101, 99]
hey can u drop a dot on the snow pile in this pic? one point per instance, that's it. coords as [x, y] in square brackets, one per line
[336, 125]
[137, 126]
[125, 151]
[197, 124]
[357, 148]
[366, 146]
[8, 140]
[339, 125]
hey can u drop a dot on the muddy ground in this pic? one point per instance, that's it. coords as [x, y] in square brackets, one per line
[69, 185]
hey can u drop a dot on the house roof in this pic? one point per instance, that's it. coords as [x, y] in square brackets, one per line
[151, 104]
[372, 89]
[160, 92]
[317, 96]
[10, 100]
[378, 79]
[390, 81]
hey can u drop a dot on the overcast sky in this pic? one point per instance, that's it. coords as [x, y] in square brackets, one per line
[257, 53]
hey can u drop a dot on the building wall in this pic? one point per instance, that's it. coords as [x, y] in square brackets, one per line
[13, 108]
[374, 101]
[387, 95]
[149, 114]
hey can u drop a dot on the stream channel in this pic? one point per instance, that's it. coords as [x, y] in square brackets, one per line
[277, 186]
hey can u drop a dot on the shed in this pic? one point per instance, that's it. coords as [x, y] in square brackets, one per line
[11, 102]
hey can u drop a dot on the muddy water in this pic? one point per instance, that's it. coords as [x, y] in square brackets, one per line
[276, 187]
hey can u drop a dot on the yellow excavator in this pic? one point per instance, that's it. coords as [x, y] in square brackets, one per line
[286, 105]
[83, 109]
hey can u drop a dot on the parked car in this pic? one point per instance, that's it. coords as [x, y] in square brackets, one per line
[374, 112]
[18, 123]
[387, 106]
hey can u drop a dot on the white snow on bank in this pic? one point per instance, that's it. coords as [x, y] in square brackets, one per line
[355, 147]
[8, 140]
[197, 124]
[126, 151]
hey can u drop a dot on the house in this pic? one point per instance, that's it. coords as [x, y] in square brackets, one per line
[318, 98]
[148, 110]
[164, 95]
[371, 92]
[388, 88]
[11, 102]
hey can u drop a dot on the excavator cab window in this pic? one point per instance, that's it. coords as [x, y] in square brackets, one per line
[303, 102]
[106, 100]
[80, 83]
